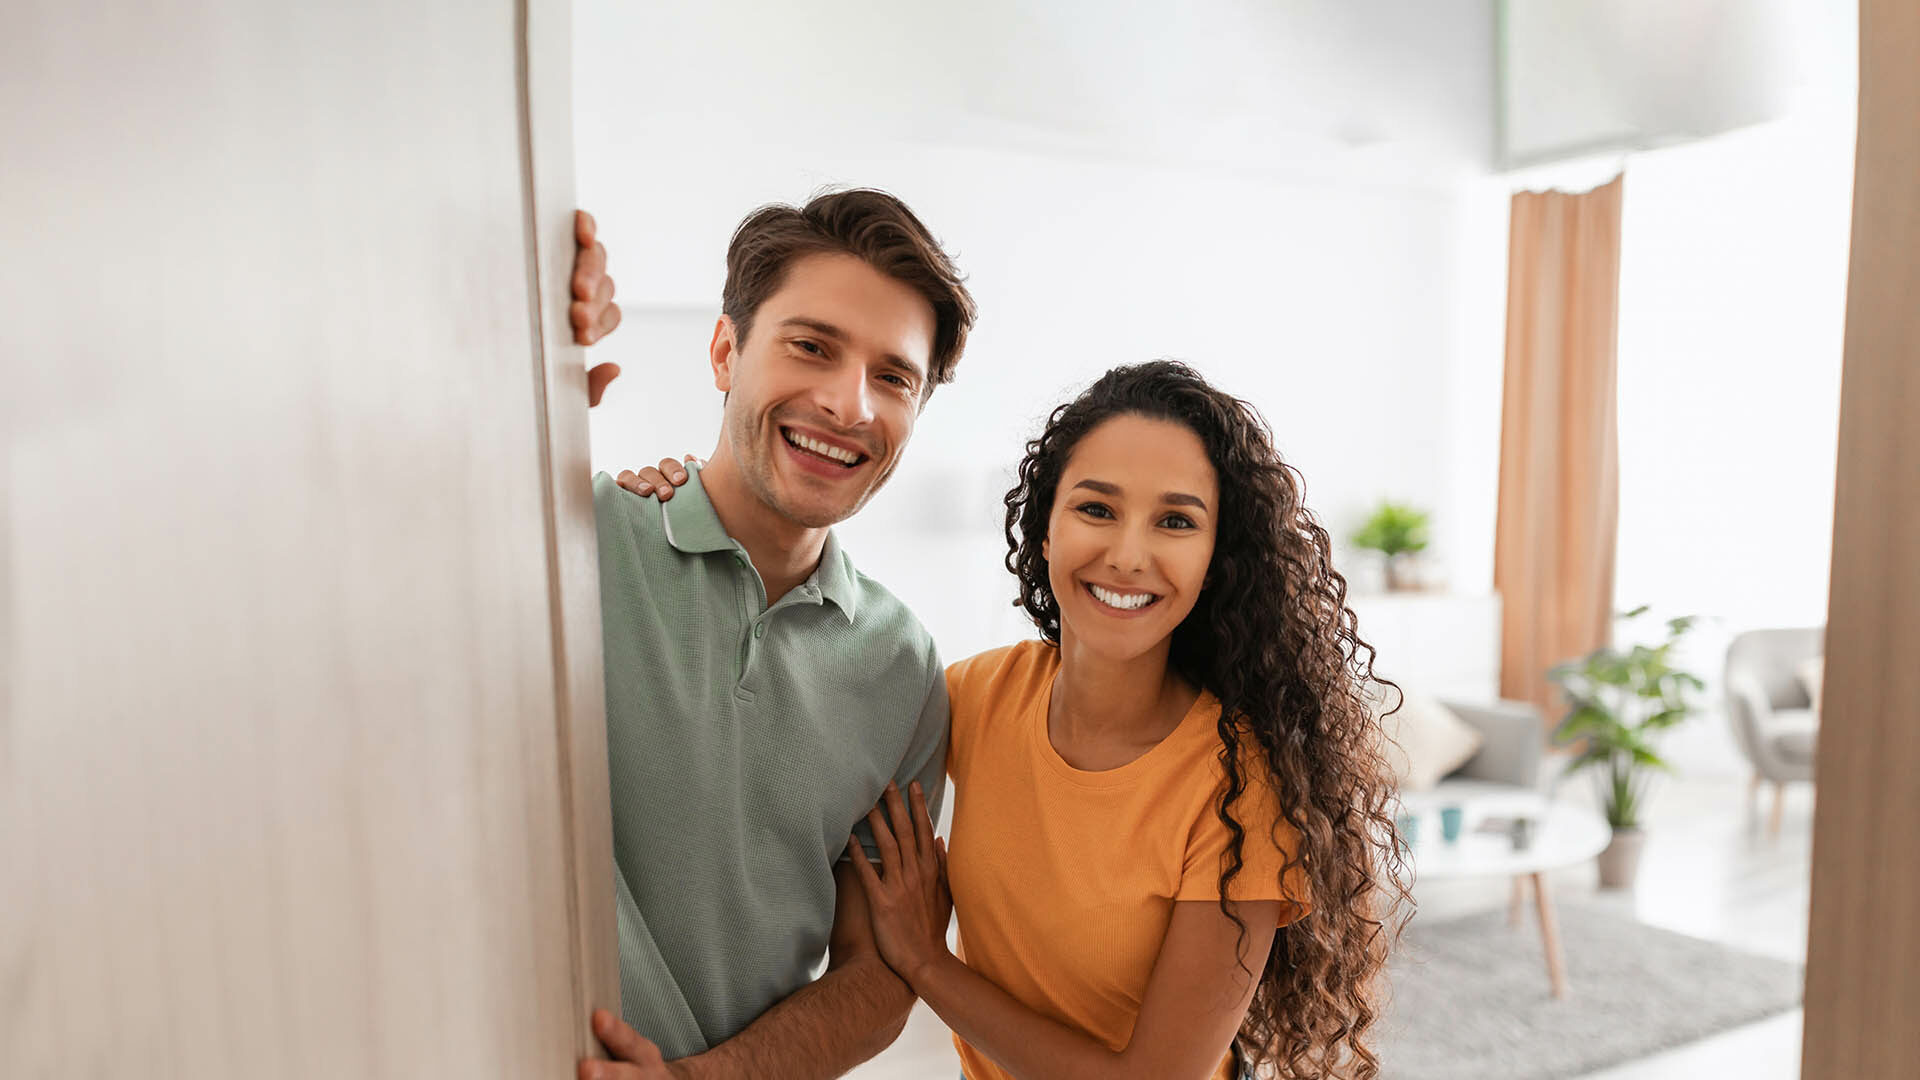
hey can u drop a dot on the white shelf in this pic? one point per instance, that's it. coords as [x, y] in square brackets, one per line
[1444, 645]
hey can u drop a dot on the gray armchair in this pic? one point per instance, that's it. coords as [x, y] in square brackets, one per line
[1773, 720]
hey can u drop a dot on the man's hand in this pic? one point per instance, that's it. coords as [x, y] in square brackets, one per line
[635, 1058]
[593, 313]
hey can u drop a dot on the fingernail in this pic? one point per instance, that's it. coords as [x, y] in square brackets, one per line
[915, 787]
[665, 489]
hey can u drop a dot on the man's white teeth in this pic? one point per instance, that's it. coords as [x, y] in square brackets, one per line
[844, 457]
[1123, 601]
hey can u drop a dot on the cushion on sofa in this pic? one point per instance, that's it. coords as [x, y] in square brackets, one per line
[1426, 741]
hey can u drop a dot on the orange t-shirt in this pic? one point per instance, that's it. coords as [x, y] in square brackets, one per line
[1064, 880]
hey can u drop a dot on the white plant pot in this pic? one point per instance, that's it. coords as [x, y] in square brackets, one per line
[1620, 860]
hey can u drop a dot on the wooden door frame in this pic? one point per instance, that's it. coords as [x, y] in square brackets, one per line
[1863, 944]
[545, 61]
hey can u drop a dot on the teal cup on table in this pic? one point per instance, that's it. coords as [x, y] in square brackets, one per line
[1451, 819]
[1409, 828]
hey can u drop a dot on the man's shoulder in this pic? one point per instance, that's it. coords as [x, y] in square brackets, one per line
[618, 512]
[884, 613]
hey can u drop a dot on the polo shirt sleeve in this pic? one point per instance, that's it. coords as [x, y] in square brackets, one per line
[926, 756]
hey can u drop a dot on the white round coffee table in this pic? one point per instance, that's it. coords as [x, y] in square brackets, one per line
[1563, 835]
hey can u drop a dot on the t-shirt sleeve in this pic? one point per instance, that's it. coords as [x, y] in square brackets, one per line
[959, 736]
[1266, 847]
[926, 756]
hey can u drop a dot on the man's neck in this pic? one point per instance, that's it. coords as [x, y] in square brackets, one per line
[785, 554]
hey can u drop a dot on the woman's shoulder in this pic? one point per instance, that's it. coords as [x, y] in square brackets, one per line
[1201, 768]
[1017, 669]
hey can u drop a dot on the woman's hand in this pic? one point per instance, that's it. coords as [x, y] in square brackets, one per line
[908, 899]
[658, 481]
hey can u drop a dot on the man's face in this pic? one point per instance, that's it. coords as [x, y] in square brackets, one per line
[823, 394]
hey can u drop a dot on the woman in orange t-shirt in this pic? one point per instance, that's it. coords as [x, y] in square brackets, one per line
[1172, 849]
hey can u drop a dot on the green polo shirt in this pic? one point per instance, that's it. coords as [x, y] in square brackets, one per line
[743, 744]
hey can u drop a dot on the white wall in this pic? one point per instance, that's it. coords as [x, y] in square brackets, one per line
[1732, 322]
[1282, 199]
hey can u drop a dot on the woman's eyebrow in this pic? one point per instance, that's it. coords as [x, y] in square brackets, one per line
[1176, 498]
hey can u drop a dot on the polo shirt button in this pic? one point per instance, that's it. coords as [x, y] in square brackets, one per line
[760, 630]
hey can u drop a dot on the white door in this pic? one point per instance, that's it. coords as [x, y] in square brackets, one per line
[302, 659]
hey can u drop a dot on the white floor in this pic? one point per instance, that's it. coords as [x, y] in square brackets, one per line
[1708, 870]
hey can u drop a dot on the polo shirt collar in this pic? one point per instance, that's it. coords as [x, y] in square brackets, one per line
[691, 524]
[835, 577]
[693, 527]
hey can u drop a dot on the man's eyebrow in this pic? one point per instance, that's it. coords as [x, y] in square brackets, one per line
[1175, 498]
[895, 361]
[828, 330]
[824, 329]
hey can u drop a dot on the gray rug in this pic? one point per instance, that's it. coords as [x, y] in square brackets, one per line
[1470, 997]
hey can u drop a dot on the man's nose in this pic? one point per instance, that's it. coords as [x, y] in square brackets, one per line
[844, 395]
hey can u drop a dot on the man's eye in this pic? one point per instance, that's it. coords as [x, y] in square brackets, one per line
[810, 347]
[898, 380]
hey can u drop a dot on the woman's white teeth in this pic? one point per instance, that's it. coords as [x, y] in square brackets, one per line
[1123, 601]
[844, 457]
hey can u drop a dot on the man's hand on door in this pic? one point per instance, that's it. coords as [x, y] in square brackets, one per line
[593, 313]
[634, 1056]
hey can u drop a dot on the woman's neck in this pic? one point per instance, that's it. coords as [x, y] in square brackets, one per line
[1109, 711]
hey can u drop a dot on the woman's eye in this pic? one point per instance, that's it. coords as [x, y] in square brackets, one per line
[1176, 521]
[1094, 509]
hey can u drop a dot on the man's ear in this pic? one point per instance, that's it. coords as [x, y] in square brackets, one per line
[723, 353]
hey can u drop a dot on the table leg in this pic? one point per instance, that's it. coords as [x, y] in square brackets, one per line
[1517, 904]
[1549, 936]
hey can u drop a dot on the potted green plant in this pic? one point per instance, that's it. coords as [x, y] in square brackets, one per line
[1398, 532]
[1617, 703]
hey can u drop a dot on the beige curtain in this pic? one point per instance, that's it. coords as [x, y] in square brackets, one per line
[1559, 444]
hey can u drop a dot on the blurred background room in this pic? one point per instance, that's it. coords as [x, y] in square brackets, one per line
[1315, 204]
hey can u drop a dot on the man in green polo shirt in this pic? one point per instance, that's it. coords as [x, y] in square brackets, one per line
[761, 692]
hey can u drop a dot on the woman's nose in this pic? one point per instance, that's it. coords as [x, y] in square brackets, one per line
[1129, 553]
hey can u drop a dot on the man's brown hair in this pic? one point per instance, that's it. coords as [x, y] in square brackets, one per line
[870, 225]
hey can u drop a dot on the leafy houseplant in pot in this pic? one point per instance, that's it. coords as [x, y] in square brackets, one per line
[1399, 532]
[1617, 702]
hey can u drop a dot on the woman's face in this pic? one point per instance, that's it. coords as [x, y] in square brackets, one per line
[1131, 534]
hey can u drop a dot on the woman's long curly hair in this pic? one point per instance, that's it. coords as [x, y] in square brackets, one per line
[1272, 637]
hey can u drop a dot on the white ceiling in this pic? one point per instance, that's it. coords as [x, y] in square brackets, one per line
[1231, 82]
